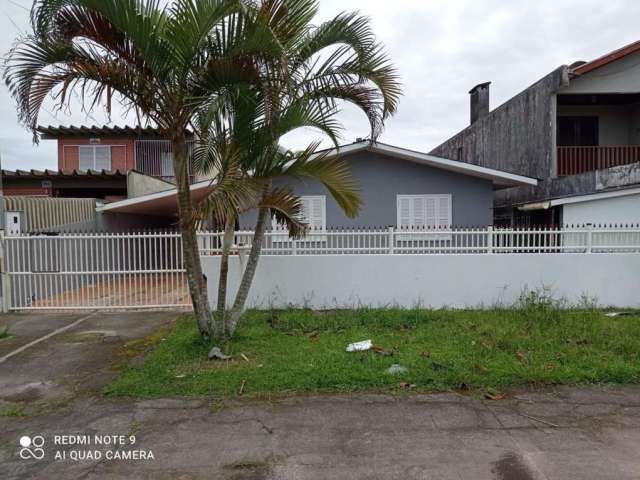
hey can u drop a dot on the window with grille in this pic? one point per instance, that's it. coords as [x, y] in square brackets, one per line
[95, 157]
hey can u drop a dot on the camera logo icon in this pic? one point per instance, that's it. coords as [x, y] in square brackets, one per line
[31, 447]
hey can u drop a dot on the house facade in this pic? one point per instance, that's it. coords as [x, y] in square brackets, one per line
[577, 130]
[404, 189]
[113, 149]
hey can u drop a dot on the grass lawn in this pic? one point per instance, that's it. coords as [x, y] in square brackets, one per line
[281, 352]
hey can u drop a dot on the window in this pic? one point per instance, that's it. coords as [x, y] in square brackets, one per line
[577, 131]
[314, 214]
[424, 211]
[166, 164]
[95, 157]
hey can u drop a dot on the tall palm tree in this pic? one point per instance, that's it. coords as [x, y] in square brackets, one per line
[163, 61]
[337, 61]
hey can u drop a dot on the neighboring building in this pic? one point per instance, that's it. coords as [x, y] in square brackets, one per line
[105, 184]
[405, 188]
[39, 201]
[577, 130]
[113, 149]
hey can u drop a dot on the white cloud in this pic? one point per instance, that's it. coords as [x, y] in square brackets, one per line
[441, 49]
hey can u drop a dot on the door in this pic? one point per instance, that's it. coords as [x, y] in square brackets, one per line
[578, 131]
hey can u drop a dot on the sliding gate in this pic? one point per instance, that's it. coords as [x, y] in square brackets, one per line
[94, 271]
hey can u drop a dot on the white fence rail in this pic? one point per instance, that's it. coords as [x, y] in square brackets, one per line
[394, 241]
[146, 270]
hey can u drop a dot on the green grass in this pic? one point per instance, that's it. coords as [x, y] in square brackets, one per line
[4, 332]
[296, 351]
[13, 411]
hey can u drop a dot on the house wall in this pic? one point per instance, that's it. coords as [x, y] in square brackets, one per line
[620, 210]
[122, 152]
[620, 76]
[382, 178]
[517, 137]
[459, 281]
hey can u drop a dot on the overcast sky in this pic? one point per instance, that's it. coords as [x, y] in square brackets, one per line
[441, 48]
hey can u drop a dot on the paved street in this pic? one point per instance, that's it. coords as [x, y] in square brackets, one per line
[563, 433]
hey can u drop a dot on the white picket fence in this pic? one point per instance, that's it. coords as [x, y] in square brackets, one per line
[395, 241]
[146, 270]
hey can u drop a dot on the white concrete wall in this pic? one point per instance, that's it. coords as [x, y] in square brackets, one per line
[335, 281]
[622, 210]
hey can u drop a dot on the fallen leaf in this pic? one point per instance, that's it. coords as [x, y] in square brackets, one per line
[407, 385]
[521, 356]
[494, 396]
[244, 356]
[381, 351]
[425, 354]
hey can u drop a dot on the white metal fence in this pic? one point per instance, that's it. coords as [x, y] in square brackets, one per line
[394, 241]
[145, 270]
[95, 271]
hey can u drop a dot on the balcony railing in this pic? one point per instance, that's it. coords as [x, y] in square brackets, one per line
[580, 159]
[155, 158]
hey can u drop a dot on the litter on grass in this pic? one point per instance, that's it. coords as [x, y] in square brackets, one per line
[216, 354]
[396, 369]
[360, 346]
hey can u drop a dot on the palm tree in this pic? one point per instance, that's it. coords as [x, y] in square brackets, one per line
[163, 62]
[320, 67]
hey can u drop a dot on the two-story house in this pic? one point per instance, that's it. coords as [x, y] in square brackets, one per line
[577, 130]
[115, 148]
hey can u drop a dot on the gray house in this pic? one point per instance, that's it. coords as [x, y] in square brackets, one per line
[399, 187]
[577, 130]
[405, 188]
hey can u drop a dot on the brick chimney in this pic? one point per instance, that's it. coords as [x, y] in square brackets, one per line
[479, 96]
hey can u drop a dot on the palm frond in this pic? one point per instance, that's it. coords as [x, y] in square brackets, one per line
[330, 171]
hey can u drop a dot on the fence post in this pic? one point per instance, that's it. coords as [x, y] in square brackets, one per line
[589, 237]
[391, 240]
[490, 239]
[4, 277]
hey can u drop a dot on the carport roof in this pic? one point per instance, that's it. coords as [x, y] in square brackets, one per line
[162, 203]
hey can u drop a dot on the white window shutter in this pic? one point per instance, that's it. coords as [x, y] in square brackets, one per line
[316, 213]
[86, 157]
[404, 211]
[419, 211]
[430, 211]
[444, 211]
[102, 158]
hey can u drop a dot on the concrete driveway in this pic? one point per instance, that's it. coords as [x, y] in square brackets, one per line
[565, 433]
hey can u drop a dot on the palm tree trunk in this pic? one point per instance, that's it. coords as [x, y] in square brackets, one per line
[195, 279]
[249, 272]
[227, 242]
